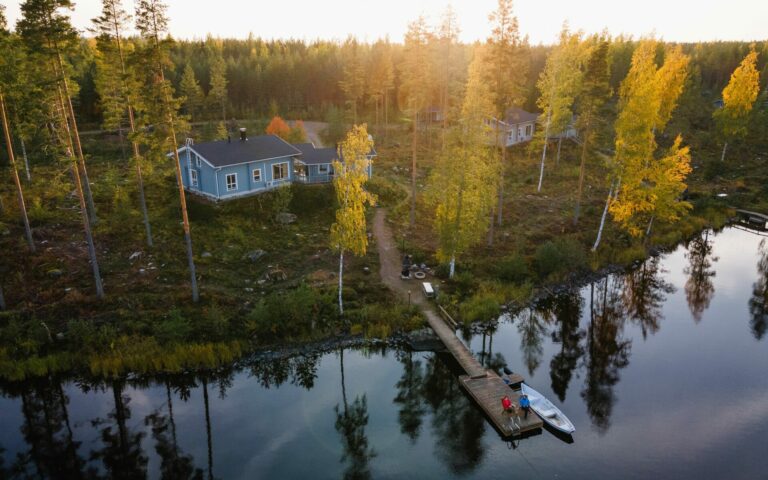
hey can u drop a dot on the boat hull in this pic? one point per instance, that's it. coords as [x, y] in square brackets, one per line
[547, 411]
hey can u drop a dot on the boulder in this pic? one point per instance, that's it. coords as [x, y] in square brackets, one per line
[206, 255]
[285, 218]
[254, 255]
[55, 272]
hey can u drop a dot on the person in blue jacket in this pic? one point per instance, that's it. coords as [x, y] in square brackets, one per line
[525, 404]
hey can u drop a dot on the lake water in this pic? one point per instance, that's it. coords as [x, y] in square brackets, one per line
[663, 371]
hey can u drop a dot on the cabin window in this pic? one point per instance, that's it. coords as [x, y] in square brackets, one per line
[231, 182]
[193, 177]
[528, 129]
[323, 168]
[280, 171]
[256, 174]
[510, 135]
[197, 161]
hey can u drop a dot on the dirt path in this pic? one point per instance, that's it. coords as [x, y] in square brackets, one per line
[391, 261]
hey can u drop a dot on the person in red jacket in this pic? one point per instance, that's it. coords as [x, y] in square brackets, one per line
[506, 404]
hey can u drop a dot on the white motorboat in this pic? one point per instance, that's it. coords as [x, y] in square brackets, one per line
[547, 411]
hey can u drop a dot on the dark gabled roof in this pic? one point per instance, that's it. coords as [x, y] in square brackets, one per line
[263, 147]
[518, 115]
[311, 155]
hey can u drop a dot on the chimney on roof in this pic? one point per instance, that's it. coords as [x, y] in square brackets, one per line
[243, 138]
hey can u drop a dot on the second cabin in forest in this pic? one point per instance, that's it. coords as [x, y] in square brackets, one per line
[226, 169]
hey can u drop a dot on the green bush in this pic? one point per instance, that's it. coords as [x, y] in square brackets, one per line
[291, 314]
[513, 269]
[563, 255]
[483, 306]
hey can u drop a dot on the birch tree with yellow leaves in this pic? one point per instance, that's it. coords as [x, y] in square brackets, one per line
[738, 99]
[464, 182]
[348, 233]
[648, 187]
[559, 83]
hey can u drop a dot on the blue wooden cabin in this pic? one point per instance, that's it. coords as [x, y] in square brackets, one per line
[226, 169]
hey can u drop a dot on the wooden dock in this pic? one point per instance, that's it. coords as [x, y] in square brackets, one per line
[484, 386]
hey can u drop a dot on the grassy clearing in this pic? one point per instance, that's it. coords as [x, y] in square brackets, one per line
[286, 294]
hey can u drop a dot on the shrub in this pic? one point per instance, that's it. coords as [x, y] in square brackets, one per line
[562, 255]
[481, 307]
[291, 314]
[513, 269]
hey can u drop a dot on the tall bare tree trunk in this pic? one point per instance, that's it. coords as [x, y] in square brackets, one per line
[26, 159]
[414, 144]
[544, 151]
[75, 135]
[180, 185]
[341, 283]
[725, 147]
[500, 208]
[602, 219]
[582, 165]
[559, 144]
[15, 174]
[208, 429]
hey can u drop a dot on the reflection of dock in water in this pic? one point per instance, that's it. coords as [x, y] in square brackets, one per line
[752, 222]
[484, 386]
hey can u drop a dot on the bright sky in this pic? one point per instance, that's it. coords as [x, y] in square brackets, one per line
[672, 20]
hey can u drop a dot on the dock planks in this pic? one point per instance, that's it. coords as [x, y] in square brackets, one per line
[484, 386]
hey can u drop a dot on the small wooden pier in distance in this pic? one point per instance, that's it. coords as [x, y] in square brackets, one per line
[484, 386]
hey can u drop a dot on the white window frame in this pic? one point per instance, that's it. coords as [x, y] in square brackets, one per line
[193, 180]
[510, 134]
[324, 168]
[233, 185]
[198, 162]
[254, 174]
[528, 130]
[287, 172]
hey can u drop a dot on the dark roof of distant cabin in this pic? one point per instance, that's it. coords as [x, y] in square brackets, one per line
[263, 147]
[312, 155]
[518, 115]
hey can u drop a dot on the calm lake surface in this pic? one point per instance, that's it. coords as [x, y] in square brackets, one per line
[664, 372]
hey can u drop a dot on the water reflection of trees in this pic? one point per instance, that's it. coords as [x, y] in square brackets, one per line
[644, 294]
[532, 326]
[52, 451]
[409, 397]
[758, 303]
[457, 424]
[567, 310]
[699, 288]
[120, 452]
[607, 352]
[350, 423]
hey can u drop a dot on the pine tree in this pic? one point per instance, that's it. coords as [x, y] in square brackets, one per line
[119, 86]
[161, 109]
[46, 28]
[446, 65]
[348, 233]
[590, 108]
[12, 62]
[353, 76]
[738, 99]
[191, 93]
[559, 83]
[506, 71]
[218, 92]
[47, 31]
[463, 184]
[415, 85]
[381, 78]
